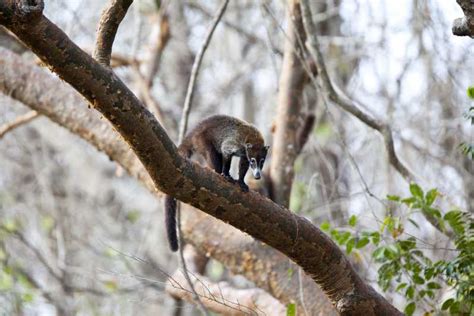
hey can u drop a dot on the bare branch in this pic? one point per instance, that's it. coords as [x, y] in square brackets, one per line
[195, 70]
[465, 26]
[158, 48]
[346, 104]
[224, 299]
[17, 122]
[109, 23]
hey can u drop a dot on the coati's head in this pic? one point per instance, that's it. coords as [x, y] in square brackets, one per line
[256, 156]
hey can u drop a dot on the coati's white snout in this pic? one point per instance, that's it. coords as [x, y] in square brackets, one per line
[257, 173]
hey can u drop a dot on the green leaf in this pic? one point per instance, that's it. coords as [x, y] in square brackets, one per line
[362, 242]
[291, 309]
[10, 225]
[350, 245]
[133, 216]
[401, 286]
[343, 238]
[6, 281]
[325, 226]
[353, 220]
[431, 196]
[418, 279]
[447, 304]
[410, 308]
[410, 292]
[290, 272]
[379, 254]
[47, 223]
[27, 297]
[416, 191]
[409, 201]
[111, 285]
[452, 215]
[394, 198]
[433, 212]
[470, 92]
[375, 238]
[433, 285]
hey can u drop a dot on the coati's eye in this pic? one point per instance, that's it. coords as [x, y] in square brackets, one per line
[253, 161]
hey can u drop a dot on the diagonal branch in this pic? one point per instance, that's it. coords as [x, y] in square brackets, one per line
[346, 104]
[350, 106]
[17, 122]
[293, 235]
[109, 22]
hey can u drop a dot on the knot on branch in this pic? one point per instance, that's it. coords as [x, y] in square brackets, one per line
[29, 9]
[461, 27]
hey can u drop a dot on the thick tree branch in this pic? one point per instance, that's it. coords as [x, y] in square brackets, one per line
[465, 26]
[19, 121]
[31, 85]
[292, 235]
[109, 23]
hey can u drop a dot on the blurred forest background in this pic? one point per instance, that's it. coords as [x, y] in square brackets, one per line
[79, 236]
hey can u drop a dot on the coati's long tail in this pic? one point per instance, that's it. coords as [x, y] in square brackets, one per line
[170, 222]
[185, 149]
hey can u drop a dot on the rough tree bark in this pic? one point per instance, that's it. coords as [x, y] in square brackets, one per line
[292, 235]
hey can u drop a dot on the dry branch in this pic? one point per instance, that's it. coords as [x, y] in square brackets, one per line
[293, 235]
[195, 70]
[109, 22]
[224, 299]
[342, 101]
[19, 121]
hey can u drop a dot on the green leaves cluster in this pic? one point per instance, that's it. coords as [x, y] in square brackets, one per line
[403, 266]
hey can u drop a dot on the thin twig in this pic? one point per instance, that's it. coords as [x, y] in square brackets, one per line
[109, 22]
[17, 122]
[182, 130]
[195, 70]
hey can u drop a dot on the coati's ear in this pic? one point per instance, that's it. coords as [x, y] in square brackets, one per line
[248, 145]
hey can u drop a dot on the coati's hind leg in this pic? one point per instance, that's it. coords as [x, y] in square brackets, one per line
[243, 167]
[214, 159]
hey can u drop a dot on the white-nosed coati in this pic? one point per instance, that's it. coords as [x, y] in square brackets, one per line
[219, 138]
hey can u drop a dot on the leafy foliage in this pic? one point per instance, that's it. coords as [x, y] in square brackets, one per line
[403, 266]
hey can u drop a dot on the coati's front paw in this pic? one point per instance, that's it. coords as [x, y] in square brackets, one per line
[228, 177]
[243, 186]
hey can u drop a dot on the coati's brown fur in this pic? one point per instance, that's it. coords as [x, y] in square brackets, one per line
[217, 139]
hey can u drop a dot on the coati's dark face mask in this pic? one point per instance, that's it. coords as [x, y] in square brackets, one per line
[256, 156]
